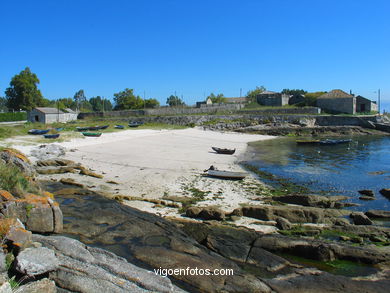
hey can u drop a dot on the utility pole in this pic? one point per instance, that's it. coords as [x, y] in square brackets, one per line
[240, 92]
[144, 101]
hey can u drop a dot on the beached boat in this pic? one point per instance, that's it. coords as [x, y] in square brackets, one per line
[312, 141]
[92, 134]
[334, 141]
[104, 127]
[59, 129]
[82, 128]
[38, 131]
[224, 151]
[52, 136]
[119, 127]
[94, 128]
[226, 174]
[135, 124]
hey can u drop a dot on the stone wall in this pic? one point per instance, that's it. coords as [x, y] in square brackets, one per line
[338, 105]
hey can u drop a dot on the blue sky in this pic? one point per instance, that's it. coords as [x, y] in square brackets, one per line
[197, 47]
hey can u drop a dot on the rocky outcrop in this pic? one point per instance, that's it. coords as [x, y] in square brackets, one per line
[206, 213]
[60, 166]
[36, 261]
[89, 270]
[367, 192]
[377, 214]
[385, 192]
[37, 213]
[16, 158]
[292, 213]
[360, 219]
[313, 200]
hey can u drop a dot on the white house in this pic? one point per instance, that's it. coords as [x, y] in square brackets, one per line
[51, 115]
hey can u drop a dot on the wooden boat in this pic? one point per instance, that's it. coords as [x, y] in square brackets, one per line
[226, 174]
[59, 129]
[53, 136]
[82, 128]
[104, 127]
[312, 141]
[94, 128]
[224, 151]
[334, 141]
[92, 134]
[119, 127]
[38, 131]
[135, 124]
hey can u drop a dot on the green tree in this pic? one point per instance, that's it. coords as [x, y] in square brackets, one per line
[151, 103]
[23, 92]
[220, 98]
[311, 98]
[79, 98]
[100, 104]
[173, 101]
[293, 92]
[252, 95]
[127, 100]
[68, 103]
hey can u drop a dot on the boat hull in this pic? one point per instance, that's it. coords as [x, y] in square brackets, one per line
[224, 151]
[226, 174]
[92, 134]
[52, 136]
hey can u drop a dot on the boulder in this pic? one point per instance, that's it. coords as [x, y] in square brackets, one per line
[367, 192]
[366, 197]
[55, 170]
[14, 157]
[44, 285]
[88, 270]
[3, 267]
[19, 236]
[205, 213]
[292, 213]
[360, 219]
[70, 181]
[37, 213]
[313, 200]
[193, 212]
[48, 151]
[85, 171]
[283, 224]
[36, 261]
[377, 214]
[56, 163]
[385, 192]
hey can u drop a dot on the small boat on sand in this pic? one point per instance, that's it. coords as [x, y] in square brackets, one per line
[224, 151]
[104, 127]
[226, 174]
[119, 127]
[38, 131]
[213, 172]
[334, 141]
[135, 124]
[59, 129]
[92, 134]
[82, 128]
[94, 128]
[52, 136]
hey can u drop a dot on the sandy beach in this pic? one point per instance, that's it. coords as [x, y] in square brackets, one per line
[154, 164]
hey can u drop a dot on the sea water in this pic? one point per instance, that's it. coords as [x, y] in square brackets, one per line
[341, 169]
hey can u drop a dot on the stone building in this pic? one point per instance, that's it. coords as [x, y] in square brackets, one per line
[338, 101]
[204, 103]
[51, 115]
[268, 98]
[238, 100]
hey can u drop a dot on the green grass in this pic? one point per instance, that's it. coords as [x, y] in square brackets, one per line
[13, 116]
[14, 181]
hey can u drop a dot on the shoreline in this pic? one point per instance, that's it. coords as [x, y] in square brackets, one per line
[163, 164]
